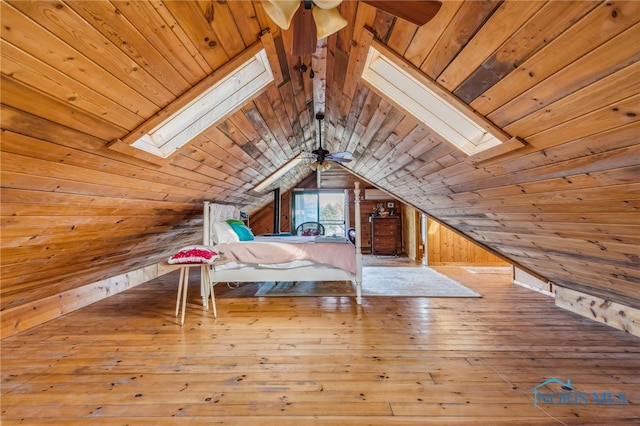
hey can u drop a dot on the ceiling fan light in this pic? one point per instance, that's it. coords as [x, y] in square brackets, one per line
[281, 11]
[328, 21]
[325, 166]
[314, 166]
[327, 4]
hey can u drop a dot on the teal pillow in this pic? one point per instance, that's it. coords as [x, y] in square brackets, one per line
[243, 231]
[236, 221]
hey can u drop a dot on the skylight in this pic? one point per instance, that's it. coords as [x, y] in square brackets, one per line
[212, 105]
[284, 169]
[422, 98]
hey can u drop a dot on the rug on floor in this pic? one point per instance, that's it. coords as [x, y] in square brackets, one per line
[377, 281]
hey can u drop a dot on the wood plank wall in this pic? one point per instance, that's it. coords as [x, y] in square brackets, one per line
[262, 220]
[562, 76]
[446, 247]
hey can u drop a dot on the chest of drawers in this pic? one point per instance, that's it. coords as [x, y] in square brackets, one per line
[384, 235]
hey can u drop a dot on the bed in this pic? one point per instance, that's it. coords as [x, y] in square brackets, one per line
[286, 258]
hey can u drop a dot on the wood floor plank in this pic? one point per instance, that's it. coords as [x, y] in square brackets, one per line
[324, 361]
[259, 420]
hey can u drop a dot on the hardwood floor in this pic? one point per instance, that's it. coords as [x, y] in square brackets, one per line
[295, 361]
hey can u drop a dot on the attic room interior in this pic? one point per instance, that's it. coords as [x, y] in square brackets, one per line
[489, 134]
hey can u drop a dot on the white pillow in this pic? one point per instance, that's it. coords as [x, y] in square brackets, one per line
[224, 233]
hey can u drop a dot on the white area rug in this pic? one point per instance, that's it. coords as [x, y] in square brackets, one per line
[488, 269]
[377, 281]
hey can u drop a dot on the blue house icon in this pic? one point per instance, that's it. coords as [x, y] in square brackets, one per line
[546, 382]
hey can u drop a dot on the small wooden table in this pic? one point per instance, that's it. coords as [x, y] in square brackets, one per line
[183, 285]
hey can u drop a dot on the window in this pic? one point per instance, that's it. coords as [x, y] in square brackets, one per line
[324, 206]
[417, 95]
[213, 104]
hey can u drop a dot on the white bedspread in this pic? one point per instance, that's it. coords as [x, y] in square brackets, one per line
[281, 250]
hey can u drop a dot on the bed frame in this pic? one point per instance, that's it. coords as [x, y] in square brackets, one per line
[303, 273]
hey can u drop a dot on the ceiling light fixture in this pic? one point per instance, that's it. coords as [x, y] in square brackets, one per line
[327, 18]
[320, 18]
[315, 166]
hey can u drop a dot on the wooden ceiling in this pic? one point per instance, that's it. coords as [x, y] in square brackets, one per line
[77, 75]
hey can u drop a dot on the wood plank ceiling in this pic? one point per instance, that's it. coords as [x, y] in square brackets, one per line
[77, 75]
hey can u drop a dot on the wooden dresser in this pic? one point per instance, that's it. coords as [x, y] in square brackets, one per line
[384, 234]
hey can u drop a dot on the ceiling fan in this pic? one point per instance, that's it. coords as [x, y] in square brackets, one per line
[318, 19]
[322, 156]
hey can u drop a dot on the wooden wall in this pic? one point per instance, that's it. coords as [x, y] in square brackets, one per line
[446, 247]
[262, 220]
[77, 76]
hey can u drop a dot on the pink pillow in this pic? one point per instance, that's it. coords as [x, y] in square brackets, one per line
[194, 254]
[310, 232]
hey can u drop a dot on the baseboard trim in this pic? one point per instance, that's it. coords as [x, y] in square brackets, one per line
[525, 279]
[29, 315]
[613, 314]
[534, 288]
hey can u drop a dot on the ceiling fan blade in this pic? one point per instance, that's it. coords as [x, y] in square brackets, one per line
[304, 33]
[281, 11]
[328, 21]
[342, 154]
[339, 159]
[416, 12]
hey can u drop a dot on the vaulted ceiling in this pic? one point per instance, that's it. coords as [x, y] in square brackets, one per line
[79, 77]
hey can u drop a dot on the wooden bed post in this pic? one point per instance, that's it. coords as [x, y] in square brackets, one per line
[356, 193]
[207, 229]
[206, 240]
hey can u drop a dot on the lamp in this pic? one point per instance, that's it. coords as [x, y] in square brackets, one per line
[315, 166]
[328, 21]
[327, 18]
[281, 11]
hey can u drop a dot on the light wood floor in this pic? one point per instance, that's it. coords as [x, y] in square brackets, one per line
[286, 361]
